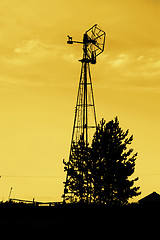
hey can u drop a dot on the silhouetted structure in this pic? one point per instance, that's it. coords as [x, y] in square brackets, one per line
[85, 114]
[152, 199]
[16, 201]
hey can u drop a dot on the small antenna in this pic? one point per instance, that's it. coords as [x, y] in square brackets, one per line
[10, 194]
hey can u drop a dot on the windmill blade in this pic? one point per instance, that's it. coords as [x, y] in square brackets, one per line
[98, 39]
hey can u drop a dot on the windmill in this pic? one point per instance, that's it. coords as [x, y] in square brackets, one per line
[85, 115]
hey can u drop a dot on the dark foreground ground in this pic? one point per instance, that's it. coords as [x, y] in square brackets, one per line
[79, 221]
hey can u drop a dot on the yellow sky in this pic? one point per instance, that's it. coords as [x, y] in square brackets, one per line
[39, 76]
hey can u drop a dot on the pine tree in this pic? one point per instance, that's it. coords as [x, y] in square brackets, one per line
[112, 164]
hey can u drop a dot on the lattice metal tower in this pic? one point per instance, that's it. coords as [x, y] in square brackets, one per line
[85, 115]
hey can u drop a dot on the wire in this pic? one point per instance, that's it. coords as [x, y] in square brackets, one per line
[28, 176]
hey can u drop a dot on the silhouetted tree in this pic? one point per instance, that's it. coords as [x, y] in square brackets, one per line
[101, 173]
[112, 164]
[78, 171]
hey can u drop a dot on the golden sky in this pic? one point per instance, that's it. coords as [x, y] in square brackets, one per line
[39, 76]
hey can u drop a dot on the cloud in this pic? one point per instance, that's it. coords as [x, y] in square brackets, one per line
[131, 70]
[37, 50]
[31, 62]
[70, 57]
[31, 47]
[119, 60]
